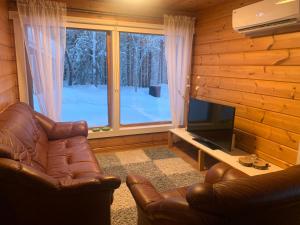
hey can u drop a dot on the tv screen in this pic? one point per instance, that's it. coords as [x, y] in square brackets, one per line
[211, 123]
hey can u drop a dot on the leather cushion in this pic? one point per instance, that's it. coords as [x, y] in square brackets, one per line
[179, 192]
[18, 125]
[223, 172]
[71, 158]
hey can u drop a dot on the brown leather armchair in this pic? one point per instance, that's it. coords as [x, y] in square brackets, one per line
[48, 174]
[226, 197]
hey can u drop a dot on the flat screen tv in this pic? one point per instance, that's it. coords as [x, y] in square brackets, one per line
[211, 124]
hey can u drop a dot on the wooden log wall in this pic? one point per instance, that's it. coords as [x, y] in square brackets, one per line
[128, 142]
[260, 76]
[8, 68]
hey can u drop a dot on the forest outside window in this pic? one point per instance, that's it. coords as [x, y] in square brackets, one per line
[85, 77]
[144, 96]
[114, 75]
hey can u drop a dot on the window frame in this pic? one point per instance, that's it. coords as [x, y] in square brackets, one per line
[112, 27]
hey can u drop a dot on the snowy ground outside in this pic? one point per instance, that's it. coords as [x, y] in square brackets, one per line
[87, 102]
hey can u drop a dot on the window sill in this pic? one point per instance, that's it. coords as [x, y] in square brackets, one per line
[130, 131]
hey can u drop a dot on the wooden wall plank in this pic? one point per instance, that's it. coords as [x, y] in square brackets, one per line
[270, 103]
[127, 142]
[289, 40]
[8, 71]
[273, 73]
[239, 45]
[259, 76]
[8, 82]
[216, 36]
[276, 42]
[261, 147]
[264, 58]
[293, 59]
[7, 53]
[276, 135]
[278, 120]
[271, 88]
[8, 67]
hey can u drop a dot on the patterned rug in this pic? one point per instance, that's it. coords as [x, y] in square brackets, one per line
[161, 166]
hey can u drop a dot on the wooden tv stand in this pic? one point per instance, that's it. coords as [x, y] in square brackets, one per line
[231, 158]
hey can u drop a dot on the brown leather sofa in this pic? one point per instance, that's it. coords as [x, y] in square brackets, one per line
[48, 174]
[226, 197]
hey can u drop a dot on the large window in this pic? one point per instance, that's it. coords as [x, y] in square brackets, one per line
[115, 75]
[144, 96]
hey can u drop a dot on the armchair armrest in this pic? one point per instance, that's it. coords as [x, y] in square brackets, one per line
[174, 210]
[26, 175]
[58, 130]
[103, 183]
[143, 191]
[110, 182]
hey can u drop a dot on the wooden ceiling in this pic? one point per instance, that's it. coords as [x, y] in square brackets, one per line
[169, 5]
[138, 8]
[141, 8]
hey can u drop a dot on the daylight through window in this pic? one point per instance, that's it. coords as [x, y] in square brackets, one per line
[144, 93]
[91, 94]
[85, 77]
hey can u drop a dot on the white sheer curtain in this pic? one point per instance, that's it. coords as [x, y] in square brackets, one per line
[179, 31]
[44, 33]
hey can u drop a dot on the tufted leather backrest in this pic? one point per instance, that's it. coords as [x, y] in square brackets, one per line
[22, 138]
[223, 172]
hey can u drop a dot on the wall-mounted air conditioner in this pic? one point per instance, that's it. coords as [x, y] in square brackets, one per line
[267, 17]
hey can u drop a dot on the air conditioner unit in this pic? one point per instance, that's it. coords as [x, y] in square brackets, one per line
[267, 17]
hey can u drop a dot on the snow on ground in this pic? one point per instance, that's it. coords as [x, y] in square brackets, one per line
[87, 102]
[140, 107]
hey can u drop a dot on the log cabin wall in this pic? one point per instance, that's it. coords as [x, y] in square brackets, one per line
[8, 70]
[260, 76]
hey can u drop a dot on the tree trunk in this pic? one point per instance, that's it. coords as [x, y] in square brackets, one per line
[128, 66]
[94, 69]
[134, 62]
[105, 71]
[97, 74]
[70, 81]
[161, 63]
[149, 68]
[139, 69]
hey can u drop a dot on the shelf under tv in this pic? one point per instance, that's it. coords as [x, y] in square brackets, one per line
[206, 143]
[231, 158]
